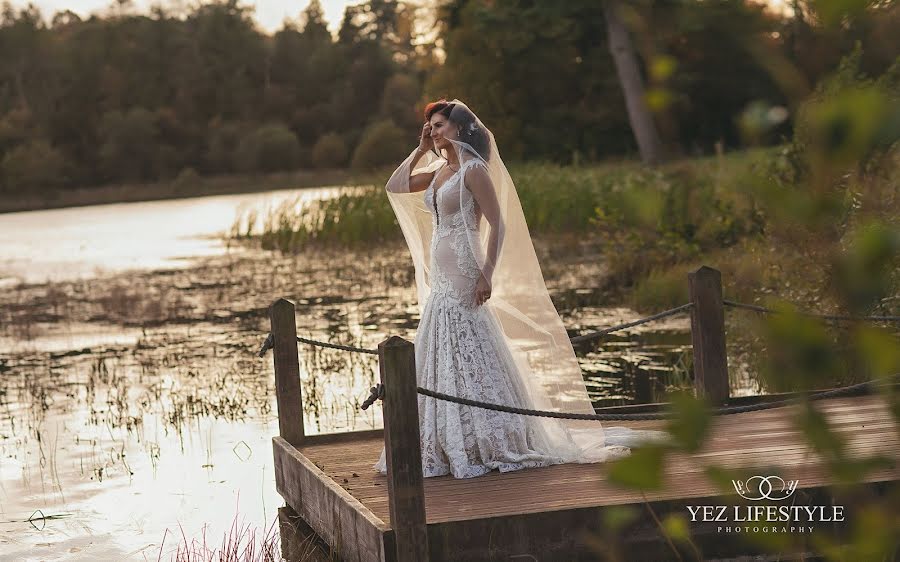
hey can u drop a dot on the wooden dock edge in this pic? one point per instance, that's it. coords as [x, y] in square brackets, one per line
[335, 515]
[583, 534]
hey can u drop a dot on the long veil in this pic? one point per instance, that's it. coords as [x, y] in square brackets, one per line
[519, 301]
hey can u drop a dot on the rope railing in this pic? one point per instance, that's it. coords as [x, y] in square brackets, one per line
[377, 393]
[339, 346]
[663, 314]
[269, 343]
[835, 317]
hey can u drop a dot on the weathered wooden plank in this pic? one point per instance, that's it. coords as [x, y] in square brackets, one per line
[787, 454]
[343, 437]
[864, 442]
[336, 516]
[523, 497]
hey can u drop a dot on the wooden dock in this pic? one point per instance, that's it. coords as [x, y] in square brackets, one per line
[547, 513]
[563, 512]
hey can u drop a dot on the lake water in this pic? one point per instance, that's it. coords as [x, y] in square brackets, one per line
[84, 242]
[134, 413]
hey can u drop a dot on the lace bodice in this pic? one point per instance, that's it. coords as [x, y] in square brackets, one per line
[454, 267]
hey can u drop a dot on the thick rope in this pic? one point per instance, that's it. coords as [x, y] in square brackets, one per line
[377, 392]
[836, 317]
[338, 346]
[267, 345]
[270, 342]
[663, 314]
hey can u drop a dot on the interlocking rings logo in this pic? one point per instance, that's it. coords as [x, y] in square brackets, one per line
[758, 488]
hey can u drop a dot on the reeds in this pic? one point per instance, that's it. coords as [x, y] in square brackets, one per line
[240, 544]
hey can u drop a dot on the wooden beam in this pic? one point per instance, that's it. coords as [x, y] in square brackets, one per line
[343, 437]
[406, 491]
[348, 526]
[708, 335]
[287, 371]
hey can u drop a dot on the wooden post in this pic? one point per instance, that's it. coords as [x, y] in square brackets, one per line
[643, 386]
[406, 491]
[287, 371]
[708, 335]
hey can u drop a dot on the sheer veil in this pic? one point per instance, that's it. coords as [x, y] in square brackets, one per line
[519, 301]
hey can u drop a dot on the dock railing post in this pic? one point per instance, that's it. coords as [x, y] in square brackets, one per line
[287, 371]
[406, 490]
[708, 334]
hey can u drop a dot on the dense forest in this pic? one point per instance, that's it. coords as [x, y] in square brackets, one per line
[132, 97]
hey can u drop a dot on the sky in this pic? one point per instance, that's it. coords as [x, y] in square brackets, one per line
[269, 13]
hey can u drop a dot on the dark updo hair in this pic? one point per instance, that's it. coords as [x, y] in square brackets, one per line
[477, 138]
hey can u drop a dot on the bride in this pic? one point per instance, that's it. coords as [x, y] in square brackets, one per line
[488, 329]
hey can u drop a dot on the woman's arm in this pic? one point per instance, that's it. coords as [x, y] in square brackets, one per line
[404, 181]
[478, 181]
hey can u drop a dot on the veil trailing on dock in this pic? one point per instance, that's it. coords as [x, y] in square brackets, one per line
[531, 326]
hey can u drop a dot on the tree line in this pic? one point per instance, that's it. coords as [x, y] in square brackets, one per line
[127, 97]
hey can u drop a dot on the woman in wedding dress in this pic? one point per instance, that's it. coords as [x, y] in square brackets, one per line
[488, 330]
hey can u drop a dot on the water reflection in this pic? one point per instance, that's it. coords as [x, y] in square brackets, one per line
[83, 242]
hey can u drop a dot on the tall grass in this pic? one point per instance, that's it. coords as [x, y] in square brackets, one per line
[594, 201]
[242, 543]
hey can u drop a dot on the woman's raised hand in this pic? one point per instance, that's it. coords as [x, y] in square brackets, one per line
[426, 143]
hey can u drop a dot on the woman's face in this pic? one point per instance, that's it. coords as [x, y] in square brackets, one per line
[441, 130]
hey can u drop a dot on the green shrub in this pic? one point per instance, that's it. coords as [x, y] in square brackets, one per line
[186, 179]
[382, 143]
[32, 165]
[330, 151]
[222, 145]
[652, 218]
[660, 290]
[270, 148]
[129, 150]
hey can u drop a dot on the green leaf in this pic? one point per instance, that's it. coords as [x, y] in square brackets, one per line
[641, 470]
[618, 516]
[676, 526]
[814, 426]
[879, 350]
[691, 421]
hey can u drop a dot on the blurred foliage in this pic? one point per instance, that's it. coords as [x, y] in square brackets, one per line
[827, 217]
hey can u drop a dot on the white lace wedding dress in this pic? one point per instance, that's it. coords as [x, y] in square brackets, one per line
[460, 350]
